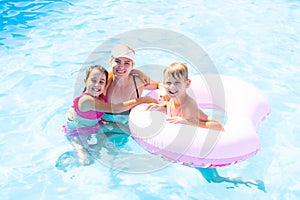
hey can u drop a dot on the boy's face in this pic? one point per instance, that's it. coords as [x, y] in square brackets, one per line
[175, 86]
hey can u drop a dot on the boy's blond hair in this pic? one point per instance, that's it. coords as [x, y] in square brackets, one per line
[177, 70]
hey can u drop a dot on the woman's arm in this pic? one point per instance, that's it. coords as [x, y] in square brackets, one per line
[87, 103]
[148, 83]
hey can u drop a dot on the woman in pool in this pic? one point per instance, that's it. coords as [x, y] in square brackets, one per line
[88, 109]
[123, 82]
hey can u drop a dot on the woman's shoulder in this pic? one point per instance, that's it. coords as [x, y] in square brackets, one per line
[137, 82]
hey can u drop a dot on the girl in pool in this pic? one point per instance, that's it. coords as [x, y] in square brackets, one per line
[88, 109]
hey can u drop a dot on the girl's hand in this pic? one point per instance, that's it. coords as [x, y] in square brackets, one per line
[70, 114]
[148, 99]
[155, 106]
[162, 94]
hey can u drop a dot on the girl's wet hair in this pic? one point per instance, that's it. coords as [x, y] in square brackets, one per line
[98, 67]
[177, 70]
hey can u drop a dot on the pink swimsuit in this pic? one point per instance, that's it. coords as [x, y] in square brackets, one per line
[91, 115]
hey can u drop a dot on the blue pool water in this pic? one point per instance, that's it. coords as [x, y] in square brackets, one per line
[43, 45]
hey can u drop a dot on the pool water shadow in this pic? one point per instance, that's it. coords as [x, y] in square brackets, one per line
[119, 161]
[211, 175]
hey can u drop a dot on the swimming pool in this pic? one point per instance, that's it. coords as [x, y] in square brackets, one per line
[45, 43]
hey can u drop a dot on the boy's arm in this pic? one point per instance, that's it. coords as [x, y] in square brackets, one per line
[208, 122]
[214, 125]
[195, 122]
[205, 121]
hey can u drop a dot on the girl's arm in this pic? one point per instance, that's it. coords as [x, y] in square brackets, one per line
[87, 103]
[159, 107]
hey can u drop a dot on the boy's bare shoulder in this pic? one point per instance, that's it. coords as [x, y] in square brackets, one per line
[191, 103]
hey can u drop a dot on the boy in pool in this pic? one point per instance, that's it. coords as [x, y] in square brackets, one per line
[181, 108]
[89, 107]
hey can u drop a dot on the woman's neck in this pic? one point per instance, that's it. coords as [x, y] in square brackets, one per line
[121, 81]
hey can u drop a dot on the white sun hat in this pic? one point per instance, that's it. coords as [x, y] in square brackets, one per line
[122, 50]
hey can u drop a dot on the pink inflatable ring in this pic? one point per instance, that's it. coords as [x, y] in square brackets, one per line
[245, 109]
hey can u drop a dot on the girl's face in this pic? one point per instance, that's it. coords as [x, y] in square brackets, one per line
[95, 83]
[121, 66]
[175, 87]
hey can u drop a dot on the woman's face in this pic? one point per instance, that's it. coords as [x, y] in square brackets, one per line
[121, 66]
[95, 83]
